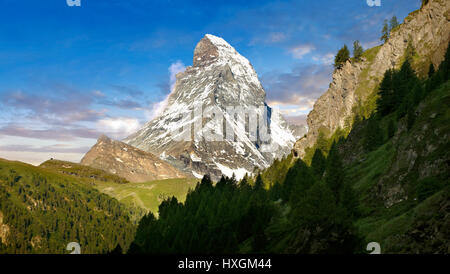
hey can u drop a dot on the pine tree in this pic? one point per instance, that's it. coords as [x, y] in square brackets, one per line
[444, 67]
[318, 163]
[431, 70]
[391, 128]
[385, 104]
[326, 228]
[385, 32]
[357, 50]
[322, 142]
[410, 52]
[206, 182]
[393, 23]
[404, 82]
[222, 182]
[373, 136]
[410, 118]
[259, 184]
[244, 185]
[117, 250]
[349, 201]
[259, 242]
[298, 180]
[334, 173]
[318, 208]
[341, 57]
[418, 94]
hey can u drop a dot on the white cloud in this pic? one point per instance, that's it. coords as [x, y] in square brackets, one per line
[301, 50]
[119, 127]
[98, 93]
[326, 59]
[276, 37]
[158, 107]
[268, 38]
[174, 69]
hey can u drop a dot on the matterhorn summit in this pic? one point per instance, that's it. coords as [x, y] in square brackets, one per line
[216, 120]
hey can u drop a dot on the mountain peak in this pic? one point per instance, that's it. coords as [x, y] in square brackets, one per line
[209, 49]
[218, 41]
[103, 138]
[215, 51]
[222, 79]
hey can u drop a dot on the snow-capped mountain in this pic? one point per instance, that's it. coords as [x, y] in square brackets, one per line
[220, 79]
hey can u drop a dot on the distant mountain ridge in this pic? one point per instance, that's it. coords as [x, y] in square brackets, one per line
[128, 162]
[78, 170]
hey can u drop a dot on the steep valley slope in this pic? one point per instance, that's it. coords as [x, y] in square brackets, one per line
[354, 86]
[41, 211]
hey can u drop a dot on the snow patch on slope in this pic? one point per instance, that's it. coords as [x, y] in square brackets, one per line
[239, 172]
[196, 175]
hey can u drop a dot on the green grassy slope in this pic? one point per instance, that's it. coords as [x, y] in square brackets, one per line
[148, 195]
[417, 220]
[81, 171]
[42, 211]
[403, 184]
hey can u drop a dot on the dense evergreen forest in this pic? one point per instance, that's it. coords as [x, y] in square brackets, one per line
[42, 211]
[335, 202]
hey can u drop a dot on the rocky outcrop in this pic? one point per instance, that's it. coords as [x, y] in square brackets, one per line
[128, 162]
[427, 30]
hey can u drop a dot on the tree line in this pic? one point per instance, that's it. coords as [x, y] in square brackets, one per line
[311, 211]
[44, 212]
[344, 53]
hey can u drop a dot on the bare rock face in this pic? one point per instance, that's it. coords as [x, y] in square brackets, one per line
[128, 162]
[205, 53]
[428, 31]
[219, 78]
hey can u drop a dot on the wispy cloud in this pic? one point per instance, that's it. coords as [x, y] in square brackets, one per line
[128, 90]
[51, 133]
[121, 103]
[298, 89]
[158, 107]
[174, 69]
[300, 51]
[326, 59]
[118, 127]
[65, 107]
[269, 38]
[297, 119]
[57, 148]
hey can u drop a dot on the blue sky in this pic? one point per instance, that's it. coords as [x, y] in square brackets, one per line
[68, 74]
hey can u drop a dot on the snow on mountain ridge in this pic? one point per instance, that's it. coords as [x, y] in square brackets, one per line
[220, 78]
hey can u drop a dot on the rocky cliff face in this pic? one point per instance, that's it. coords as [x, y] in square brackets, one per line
[128, 162]
[220, 78]
[427, 30]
